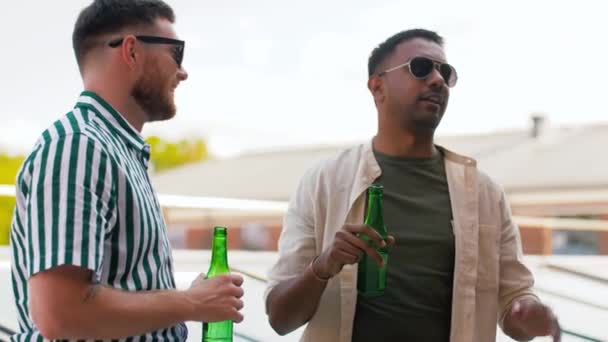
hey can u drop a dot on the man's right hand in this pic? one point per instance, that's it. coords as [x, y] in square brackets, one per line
[217, 299]
[348, 248]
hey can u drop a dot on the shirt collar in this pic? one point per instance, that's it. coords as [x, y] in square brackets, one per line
[112, 119]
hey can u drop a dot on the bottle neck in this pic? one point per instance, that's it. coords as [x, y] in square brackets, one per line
[374, 217]
[219, 255]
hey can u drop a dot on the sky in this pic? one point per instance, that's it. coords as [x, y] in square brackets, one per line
[271, 74]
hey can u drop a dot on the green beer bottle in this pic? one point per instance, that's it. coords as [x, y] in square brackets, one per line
[371, 279]
[218, 331]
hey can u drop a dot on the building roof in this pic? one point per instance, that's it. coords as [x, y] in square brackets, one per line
[559, 158]
[567, 158]
[267, 175]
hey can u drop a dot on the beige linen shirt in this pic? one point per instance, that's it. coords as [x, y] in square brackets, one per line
[488, 272]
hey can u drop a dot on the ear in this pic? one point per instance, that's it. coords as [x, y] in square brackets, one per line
[128, 51]
[375, 84]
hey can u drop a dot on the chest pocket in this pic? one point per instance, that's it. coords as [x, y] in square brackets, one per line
[488, 257]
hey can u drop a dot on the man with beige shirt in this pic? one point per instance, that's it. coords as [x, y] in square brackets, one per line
[455, 267]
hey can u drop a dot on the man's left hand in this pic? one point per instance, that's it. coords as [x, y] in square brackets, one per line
[534, 319]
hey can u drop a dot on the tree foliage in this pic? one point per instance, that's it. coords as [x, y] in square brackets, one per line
[9, 166]
[166, 154]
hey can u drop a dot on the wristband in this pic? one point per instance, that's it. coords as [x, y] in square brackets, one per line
[312, 270]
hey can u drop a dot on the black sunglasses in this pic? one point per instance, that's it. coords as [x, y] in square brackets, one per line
[178, 51]
[422, 67]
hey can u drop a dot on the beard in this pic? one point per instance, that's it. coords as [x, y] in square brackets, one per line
[426, 120]
[425, 115]
[153, 94]
[420, 119]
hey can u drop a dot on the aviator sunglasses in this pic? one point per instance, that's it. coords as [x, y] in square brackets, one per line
[422, 67]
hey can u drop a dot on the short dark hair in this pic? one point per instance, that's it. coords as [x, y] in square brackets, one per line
[382, 51]
[108, 16]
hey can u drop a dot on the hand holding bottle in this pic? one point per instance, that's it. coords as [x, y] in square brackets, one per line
[217, 299]
[348, 248]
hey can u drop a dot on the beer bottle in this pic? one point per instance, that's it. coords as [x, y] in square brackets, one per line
[371, 278]
[218, 331]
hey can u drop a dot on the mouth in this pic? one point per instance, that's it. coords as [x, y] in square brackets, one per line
[433, 99]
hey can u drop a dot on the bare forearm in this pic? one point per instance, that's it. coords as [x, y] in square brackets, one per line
[292, 303]
[107, 313]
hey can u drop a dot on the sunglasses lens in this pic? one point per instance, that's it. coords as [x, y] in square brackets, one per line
[448, 73]
[421, 67]
[178, 54]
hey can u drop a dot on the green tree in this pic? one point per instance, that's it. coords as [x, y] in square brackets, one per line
[9, 166]
[166, 154]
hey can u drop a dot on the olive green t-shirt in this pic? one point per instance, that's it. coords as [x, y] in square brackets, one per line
[417, 302]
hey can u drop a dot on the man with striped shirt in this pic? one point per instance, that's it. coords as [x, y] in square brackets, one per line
[91, 258]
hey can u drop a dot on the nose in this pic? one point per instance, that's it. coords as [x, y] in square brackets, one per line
[435, 80]
[182, 74]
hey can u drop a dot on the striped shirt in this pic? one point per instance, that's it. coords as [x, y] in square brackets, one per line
[84, 198]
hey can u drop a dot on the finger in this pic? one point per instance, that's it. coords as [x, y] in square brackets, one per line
[377, 257]
[240, 292]
[358, 247]
[348, 247]
[557, 335]
[345, 257]
[238, 304]
[236, 316]
[235, 291]
[362, 245]
[367, 231]
[236, 279]
[390, 240]
[556, 330]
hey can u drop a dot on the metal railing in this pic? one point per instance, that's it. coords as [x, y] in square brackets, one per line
[581, 336]
[565, 332]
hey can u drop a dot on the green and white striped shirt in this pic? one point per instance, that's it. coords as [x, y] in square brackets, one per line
[84, 198]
